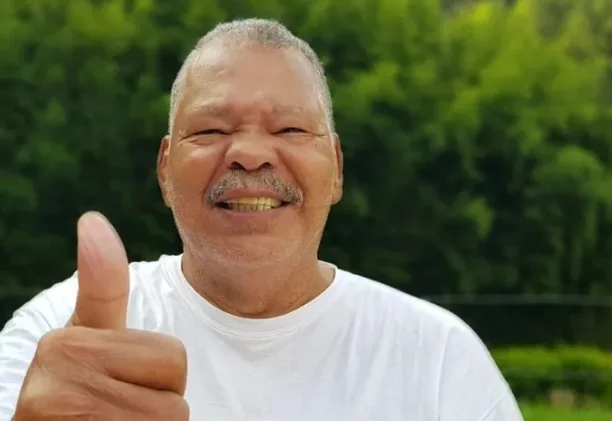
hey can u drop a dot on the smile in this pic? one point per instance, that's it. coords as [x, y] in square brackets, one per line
[251, 204]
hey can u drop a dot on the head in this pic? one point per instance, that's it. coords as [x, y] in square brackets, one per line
[251, 163]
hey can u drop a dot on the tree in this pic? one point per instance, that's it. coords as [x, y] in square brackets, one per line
[476, 139]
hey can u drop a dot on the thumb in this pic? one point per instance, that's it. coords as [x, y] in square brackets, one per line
[103, 277]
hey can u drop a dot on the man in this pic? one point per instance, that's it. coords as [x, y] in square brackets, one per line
[246, 324]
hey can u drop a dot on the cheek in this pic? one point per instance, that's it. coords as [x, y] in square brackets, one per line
[189, 174]
[321, 189]
[315, 172]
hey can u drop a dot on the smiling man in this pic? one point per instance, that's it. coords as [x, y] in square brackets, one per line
[247, 323]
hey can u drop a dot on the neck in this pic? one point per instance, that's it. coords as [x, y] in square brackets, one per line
[262, 292]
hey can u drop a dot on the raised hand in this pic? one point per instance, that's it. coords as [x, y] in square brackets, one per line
[95, 368]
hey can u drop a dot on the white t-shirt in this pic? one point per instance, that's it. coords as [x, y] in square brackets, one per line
[361, 351]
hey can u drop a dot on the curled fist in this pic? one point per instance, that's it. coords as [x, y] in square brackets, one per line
[95, 368]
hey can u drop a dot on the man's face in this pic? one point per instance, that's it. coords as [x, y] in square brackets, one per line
[252, 166]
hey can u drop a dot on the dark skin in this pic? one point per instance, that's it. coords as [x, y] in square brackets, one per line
[94, 367]
[252, 110]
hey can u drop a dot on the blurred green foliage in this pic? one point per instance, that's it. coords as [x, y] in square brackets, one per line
[533, 373]
[477, 139]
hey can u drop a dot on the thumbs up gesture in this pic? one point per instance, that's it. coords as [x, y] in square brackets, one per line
[95, 368]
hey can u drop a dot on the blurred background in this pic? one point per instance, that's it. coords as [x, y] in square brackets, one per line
[477, 138]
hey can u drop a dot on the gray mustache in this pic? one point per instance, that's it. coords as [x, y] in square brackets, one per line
[243, 179]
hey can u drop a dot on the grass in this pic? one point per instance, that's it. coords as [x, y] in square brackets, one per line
[541, 413]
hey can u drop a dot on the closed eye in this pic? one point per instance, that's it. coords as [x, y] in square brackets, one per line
[211, 132]
[291, 130]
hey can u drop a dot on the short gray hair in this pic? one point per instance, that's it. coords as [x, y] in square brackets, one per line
[263, 32]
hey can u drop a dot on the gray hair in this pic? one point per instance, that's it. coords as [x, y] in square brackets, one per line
[263, 32]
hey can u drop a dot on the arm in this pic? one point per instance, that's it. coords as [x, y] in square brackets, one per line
[472, 387]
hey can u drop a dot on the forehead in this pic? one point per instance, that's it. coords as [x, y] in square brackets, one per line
[225, 78]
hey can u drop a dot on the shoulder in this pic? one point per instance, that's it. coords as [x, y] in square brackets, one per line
[411, 325]
[400, 308]
[466, 379]
[435, 329]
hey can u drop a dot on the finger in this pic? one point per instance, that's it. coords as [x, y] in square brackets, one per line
[52, 398]
[132, 402]
[148, 359]
[103, 276]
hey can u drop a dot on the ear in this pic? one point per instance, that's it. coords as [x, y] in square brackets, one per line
[162, 168]
[339, 175]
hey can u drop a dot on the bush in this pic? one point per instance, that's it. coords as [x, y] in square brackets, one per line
[534, 372]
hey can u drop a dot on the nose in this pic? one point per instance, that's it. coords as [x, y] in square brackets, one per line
[250, 153]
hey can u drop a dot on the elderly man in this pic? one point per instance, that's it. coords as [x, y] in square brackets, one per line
[247, 324]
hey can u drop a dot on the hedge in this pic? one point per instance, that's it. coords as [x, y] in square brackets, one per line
[533, 372]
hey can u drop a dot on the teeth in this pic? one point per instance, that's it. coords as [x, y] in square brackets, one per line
[250, 204]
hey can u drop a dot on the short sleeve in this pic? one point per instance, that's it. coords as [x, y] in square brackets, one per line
[471, 385]
[19, 338]
[505, 410]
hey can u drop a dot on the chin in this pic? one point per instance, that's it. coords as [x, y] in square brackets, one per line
[253, 251]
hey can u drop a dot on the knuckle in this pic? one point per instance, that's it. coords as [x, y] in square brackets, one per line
[182, 411]
[176, 408]
[179, 354]
[60, 345]
[50, 346]
[171, 360]
[170, 351]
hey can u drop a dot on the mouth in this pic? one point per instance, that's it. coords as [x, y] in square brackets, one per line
[251, 204]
